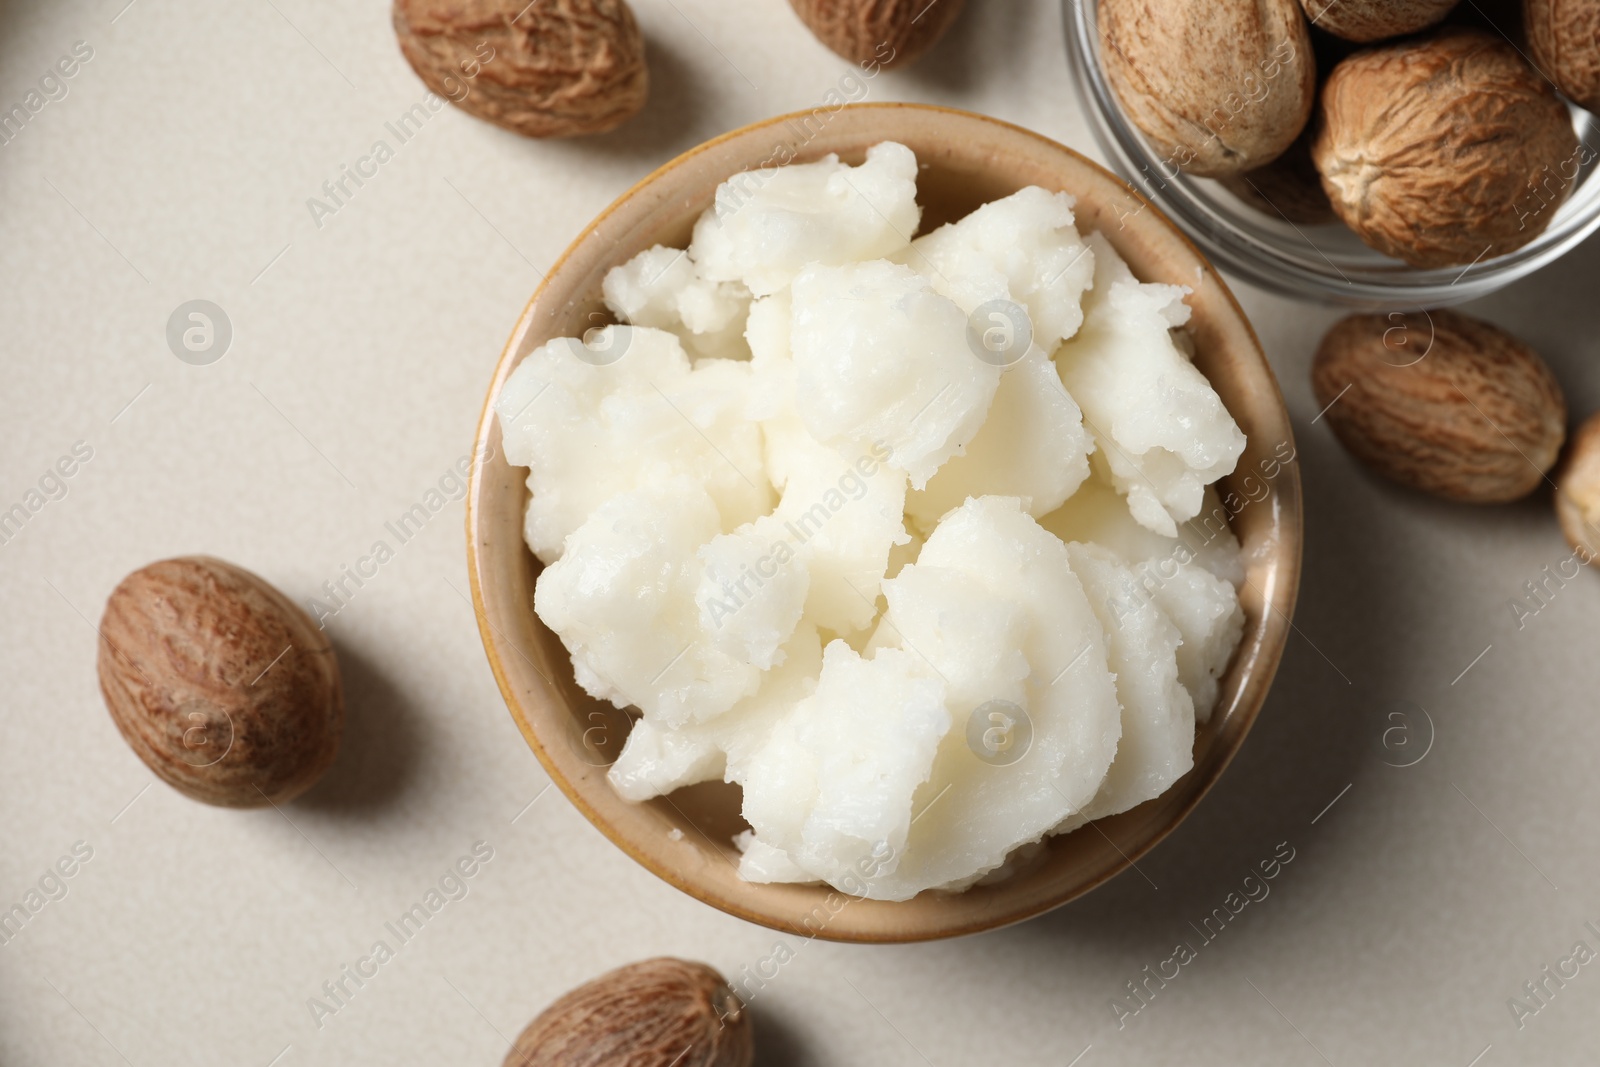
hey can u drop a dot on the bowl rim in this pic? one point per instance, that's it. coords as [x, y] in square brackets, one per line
[1279, 602]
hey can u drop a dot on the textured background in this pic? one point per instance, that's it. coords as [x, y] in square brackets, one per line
[178, 167]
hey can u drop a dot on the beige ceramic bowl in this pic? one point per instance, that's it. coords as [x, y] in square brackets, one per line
[967, 160]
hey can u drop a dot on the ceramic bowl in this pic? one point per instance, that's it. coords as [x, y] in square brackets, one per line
[967, 160]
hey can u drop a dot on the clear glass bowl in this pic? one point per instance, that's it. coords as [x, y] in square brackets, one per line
[1326, 263]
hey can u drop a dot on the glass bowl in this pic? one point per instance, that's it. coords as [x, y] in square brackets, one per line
[1327, 263]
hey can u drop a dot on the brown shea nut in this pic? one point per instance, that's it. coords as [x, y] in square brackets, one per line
[225, 688]
[1441, 152]
[1578, 490]
[555, 68]
[1373, 20]
[889, 33]
[1218, 86]
[1441, 402]
[1565, 38]
[657, 1013]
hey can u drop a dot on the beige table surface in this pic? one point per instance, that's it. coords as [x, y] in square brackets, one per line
[178, 167]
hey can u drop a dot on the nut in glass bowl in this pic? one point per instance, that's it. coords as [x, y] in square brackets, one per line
[1300, 257]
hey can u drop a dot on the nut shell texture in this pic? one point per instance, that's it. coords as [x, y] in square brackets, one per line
[1578, 490]
[657, 1013]
[891, 33]
[1218, 86]
[1373, 20]
[1436, 151]
[1564, 36]
[556, 68]
[1289, 187]
[1441, 402]
[225, 688]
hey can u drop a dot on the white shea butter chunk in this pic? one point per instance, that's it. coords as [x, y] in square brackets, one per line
[880, 357]
[1098, 514]
[721, 488]
[973, 637]
[1206, 610]
[843, 517]
[841, 512]
[743, 732]
[1023, 248]
[622, 600]
[787, 444]
[1157, 745]
[656, 759]
[768, 224]
[832, 787]
[760, 862]
[662, 287]
[1193, 578]
[1161, 430]
[766, 333]
[993, 605]
[1032, 445]
[588, 429]
[752, 591]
